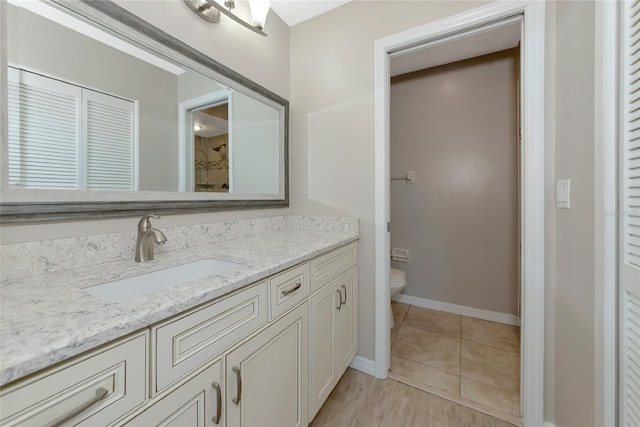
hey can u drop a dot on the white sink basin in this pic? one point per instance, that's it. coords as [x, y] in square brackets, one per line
[144, 284]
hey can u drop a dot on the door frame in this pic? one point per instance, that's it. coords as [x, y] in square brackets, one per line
[606, 266]
[186, 142]
[531, 187]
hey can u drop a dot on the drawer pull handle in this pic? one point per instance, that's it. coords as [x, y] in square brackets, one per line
[285, 292]
[236, 399]
[339, 299]
[345, 295]
[101, 393]
[216, 417]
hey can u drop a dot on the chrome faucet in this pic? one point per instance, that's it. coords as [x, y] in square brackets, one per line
[147, 237]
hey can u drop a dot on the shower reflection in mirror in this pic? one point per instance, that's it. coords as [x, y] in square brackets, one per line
[211, 139]
[230, 143]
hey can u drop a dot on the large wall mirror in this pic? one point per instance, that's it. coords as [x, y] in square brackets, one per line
[107, 119]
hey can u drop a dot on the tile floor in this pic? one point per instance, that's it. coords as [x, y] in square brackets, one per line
[470, 361]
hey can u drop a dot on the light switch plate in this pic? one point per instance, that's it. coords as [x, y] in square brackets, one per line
[563, 194]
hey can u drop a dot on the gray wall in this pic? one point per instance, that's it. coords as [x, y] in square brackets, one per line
[575, 284]
[455, 126]
[193, 85]
[332, 118]
[264, 60]
[333, 121]
[49, 48]
[331, 86]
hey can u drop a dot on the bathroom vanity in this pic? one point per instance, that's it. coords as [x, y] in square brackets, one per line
[248, 322]
[259, 344]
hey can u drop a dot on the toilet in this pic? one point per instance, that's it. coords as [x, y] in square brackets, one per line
[397, 283]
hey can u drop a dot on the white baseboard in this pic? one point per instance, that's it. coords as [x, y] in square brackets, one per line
[493, 316]
[549, 424]
[361, 364]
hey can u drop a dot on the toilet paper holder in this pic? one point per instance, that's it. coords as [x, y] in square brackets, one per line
[400, 254]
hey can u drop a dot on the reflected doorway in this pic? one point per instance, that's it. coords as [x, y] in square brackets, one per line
[211, 148]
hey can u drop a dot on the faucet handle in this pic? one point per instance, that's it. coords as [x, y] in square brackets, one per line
[145, 223]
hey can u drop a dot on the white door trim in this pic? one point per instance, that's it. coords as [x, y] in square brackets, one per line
[606, 198]
[532, 186]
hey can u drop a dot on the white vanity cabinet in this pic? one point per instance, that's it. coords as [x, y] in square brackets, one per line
[265, 355]
[263, 383]
[333, 320]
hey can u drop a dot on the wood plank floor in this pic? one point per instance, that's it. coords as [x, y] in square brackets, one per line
[360, 400]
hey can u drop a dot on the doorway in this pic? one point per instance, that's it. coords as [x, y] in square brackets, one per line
[204, 127]
[454, 130]
[471, 23]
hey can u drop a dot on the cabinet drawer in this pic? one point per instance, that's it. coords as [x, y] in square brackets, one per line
[329, 267]
[189, 341]
[97, 389]
[288, 289]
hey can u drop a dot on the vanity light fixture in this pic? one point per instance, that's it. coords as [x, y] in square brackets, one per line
[210, 10]
[259, 11]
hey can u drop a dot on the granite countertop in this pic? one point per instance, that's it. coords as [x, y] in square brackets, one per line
[49, 318]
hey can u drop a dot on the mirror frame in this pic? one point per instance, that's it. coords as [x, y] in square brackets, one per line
[16, 212]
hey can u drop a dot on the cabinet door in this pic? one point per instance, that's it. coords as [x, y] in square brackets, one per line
[324, 307]
[348, 319]
[267, 382]
[197, 403]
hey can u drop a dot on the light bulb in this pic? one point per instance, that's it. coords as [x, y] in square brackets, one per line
[196, 128]
[259, 10]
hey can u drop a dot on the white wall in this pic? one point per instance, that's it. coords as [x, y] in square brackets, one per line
[455, 126]
[227, 42]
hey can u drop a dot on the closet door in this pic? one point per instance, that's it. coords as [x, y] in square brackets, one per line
[44, 131]
[109, 150]
[63, 136]
[629, 199]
